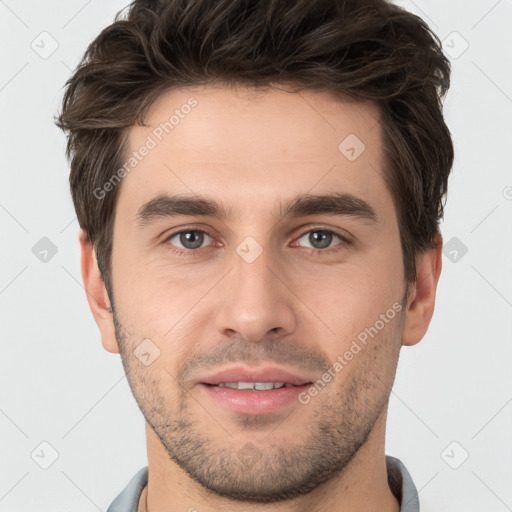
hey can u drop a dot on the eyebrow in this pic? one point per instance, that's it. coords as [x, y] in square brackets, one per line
[341, 204]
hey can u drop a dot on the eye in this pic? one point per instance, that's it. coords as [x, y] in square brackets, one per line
[321, 240]
[190, 239]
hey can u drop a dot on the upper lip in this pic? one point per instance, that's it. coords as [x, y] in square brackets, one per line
[264, 374]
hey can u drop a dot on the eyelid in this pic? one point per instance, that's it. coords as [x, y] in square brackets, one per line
[188, 229]
[343, 234]
[344, 243]
[345, 237]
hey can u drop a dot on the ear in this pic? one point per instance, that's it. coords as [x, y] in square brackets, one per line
[97, 295]
[421, 300]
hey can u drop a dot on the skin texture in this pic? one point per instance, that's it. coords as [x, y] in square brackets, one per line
[291, 307]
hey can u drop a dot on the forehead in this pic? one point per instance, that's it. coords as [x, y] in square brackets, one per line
[240, 113]
[252, 145]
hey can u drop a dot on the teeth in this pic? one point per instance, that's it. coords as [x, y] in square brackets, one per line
[255, 386]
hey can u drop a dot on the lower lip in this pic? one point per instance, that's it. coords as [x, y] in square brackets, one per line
[254, 402]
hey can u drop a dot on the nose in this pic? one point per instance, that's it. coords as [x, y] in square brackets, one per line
[255, 300]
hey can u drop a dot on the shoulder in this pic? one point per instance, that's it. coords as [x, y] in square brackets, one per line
[401, 485]
[128, 499]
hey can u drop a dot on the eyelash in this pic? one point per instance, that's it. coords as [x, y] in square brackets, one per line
[321, 252]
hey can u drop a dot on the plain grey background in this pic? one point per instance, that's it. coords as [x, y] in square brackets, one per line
[65, 403]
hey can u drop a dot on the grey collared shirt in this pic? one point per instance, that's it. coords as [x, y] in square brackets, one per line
[400, 482]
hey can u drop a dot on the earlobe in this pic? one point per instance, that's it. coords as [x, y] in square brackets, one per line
[97, 295]
[421, 301]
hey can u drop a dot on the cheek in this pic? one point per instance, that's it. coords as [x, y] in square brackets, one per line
[355, 301]
[149, 296]
[169, 307]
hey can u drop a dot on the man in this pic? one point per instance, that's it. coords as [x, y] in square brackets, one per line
[259, 187]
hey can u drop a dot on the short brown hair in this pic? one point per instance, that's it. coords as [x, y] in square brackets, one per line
[366, 49]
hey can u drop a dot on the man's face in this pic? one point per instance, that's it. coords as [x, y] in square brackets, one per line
[260, 288]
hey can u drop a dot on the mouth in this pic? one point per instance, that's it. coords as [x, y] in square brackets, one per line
[254, 391]
[258, 379]
[257, 386]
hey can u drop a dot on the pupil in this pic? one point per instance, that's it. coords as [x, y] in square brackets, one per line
[325, 239]
[191, 239]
